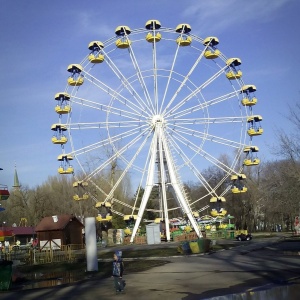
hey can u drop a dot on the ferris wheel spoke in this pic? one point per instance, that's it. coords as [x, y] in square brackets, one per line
[203, 153]
[206, 136]
[126, 83]
[141, 79]
[106, 108]
[169, 78]
[129, 165]
[204, 105]
[105, 125]
[187, 161]
[184, 81]
[115, 95]
[107, 141]
[117, 154]
[194, 92]
[208, 120]
[155, 82]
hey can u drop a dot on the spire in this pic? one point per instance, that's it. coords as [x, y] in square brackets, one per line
[16, 180]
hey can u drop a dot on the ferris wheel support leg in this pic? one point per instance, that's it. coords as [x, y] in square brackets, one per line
[163, 184]
[145, 199]
[187, 210]
[148, 188]
[175, 183]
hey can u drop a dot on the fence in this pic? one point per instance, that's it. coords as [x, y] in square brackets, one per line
[67, 253]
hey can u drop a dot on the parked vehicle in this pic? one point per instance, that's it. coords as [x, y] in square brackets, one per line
[244, 237]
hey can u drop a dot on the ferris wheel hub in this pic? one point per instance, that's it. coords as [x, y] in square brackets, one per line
[157, 119]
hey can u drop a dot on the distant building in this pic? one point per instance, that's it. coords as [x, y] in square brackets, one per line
[16, 185]
[23, 234]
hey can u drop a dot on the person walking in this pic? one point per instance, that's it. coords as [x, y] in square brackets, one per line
[117, 272]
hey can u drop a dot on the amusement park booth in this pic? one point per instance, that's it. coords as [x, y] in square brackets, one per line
[56, 231]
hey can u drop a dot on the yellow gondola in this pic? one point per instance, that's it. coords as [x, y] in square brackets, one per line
[65, 167]
[129, 217]
[216, 213]
[233, 73]
[95, 46]
[183, 28]
[75, 82]
[75, 79]
[250, 160]
[249, 98]
[249, 102]
[211, 52]
[195, 214]
[254, 132]
[184, 39]
[59, 140]
[58, 127]
[238, 176]
[80, 183]
[236, 190]
[96, 57]
[216, 199]
[107, 218]
[59, 137]
[123, 42]
[69, 170]
[248, 88]
[79, 198]
[63, 109]
[217, 202]
[64, 157]
[62, 98]
[104, 209]
[238, 185]
[103, 204]
[152, 25]
[252, 149]
[122, 30]
[153, 36]
[81, 194]
[254, 125]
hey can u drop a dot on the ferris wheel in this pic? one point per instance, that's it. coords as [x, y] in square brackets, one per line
[156, 106]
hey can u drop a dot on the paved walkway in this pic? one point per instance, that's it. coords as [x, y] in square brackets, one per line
[245, 268]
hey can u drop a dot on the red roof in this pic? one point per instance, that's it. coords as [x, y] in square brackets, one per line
[21, 230]
[55, 222]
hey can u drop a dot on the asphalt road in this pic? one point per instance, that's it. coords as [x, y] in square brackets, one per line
[265, 266]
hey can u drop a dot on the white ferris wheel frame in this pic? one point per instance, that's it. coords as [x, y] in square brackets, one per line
[152, 117]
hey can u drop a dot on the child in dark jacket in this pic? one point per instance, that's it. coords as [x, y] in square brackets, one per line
[117, 273]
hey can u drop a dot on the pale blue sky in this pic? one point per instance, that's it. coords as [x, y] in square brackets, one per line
[39, 39]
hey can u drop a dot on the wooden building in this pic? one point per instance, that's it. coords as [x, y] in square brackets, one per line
[20, 233]
[56, 231]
